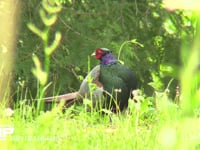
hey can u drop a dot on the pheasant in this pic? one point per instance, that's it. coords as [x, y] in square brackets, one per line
[114, 83]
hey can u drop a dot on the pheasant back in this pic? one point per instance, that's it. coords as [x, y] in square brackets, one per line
[118, 81]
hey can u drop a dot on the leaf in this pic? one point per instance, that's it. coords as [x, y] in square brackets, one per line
[36, 30]
[50, 49]
[48, 6]
[156, 84]
[48, 20]
[38, 72]
[134, 41]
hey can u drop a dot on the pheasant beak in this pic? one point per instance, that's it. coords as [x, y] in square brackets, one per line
[93, 54]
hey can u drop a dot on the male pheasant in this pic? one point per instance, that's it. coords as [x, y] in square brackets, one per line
[114, 82]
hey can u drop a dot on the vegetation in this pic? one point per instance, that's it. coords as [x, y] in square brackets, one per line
[88, 25]
[161, 46]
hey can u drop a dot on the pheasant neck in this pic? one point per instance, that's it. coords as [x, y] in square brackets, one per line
[108, 59]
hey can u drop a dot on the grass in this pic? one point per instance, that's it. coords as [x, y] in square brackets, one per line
[139, 127]
[53, 130]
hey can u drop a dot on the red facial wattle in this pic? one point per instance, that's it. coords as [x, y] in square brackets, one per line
[99, 53]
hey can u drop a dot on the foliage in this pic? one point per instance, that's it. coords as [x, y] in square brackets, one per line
[86, 25]
[48, 15]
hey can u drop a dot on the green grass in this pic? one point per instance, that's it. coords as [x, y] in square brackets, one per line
[139, 127]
